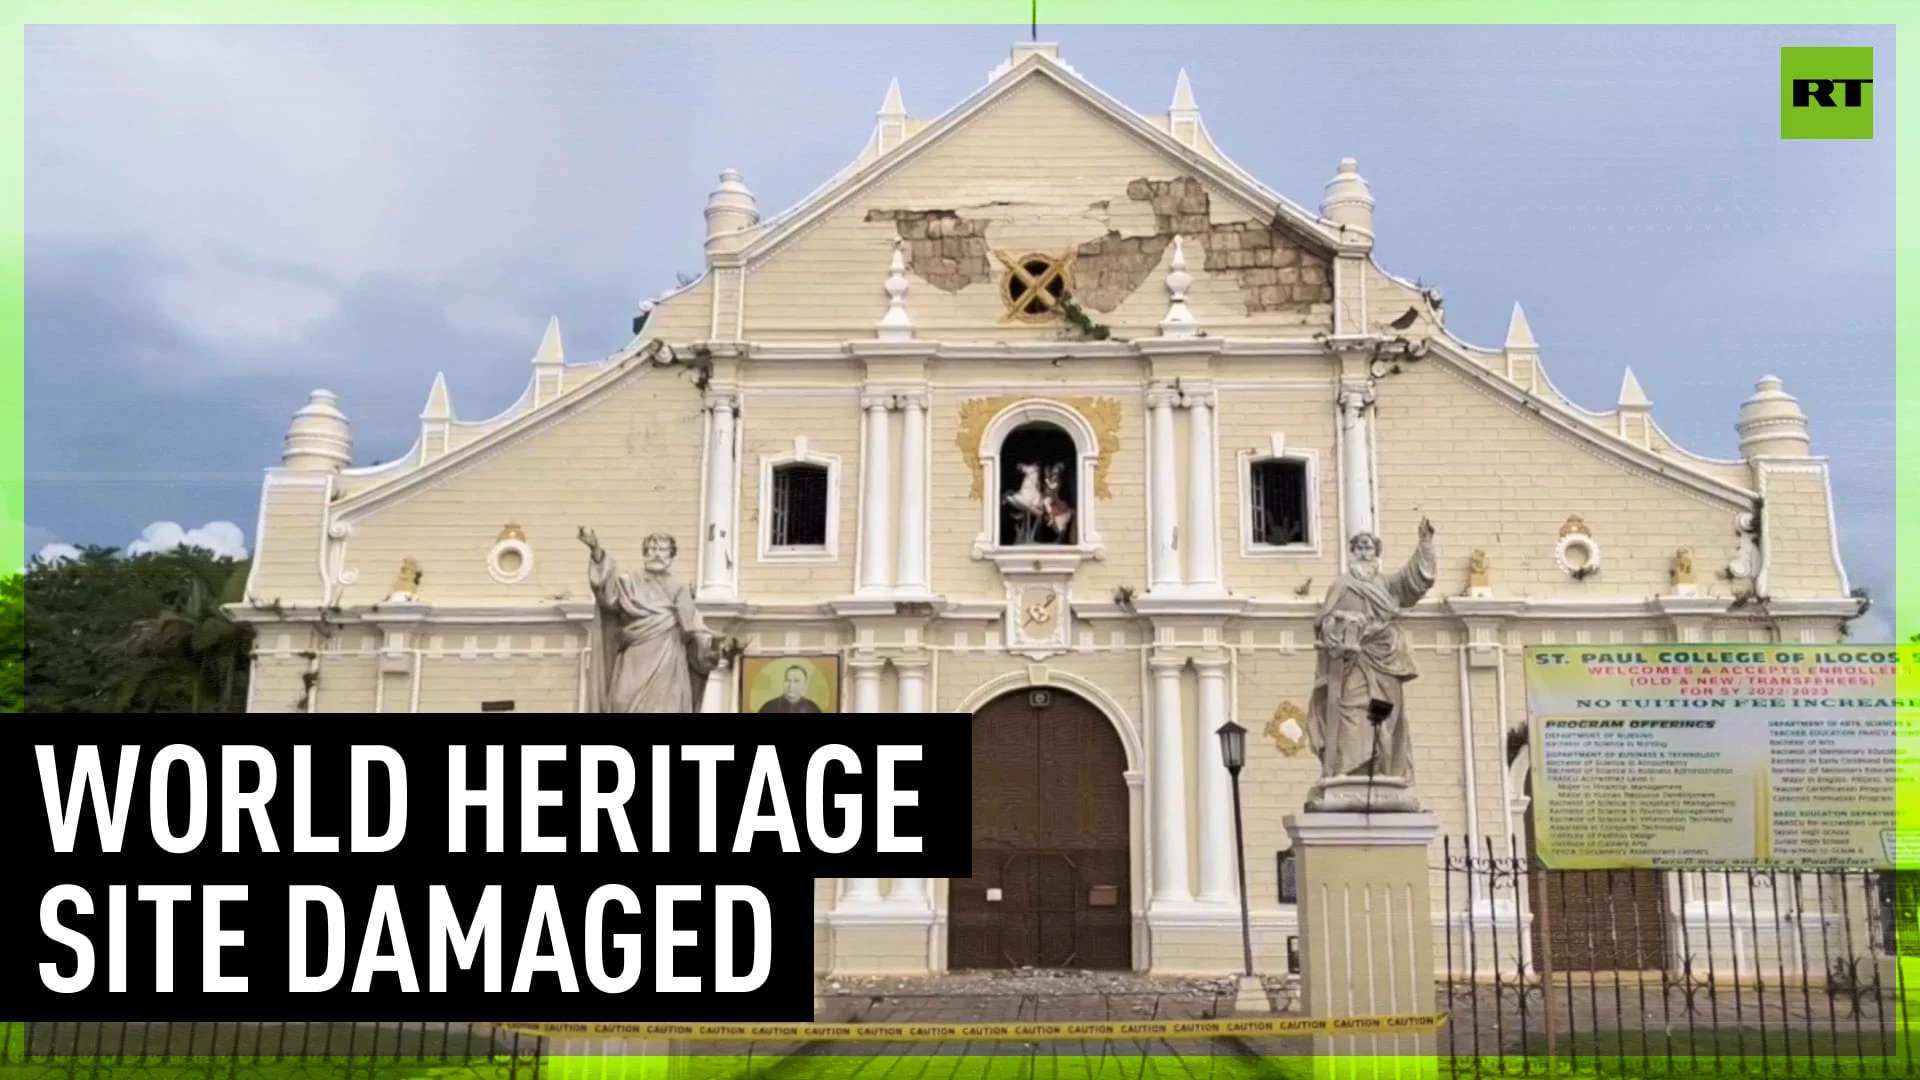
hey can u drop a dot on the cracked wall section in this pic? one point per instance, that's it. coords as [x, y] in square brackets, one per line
[1276, 272]
[943, 249]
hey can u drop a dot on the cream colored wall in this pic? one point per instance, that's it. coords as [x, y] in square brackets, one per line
[1492, 478]
[627, 464]
[802, 404]
[1798, 531]
[1063, 169]
[1247, 418]
[286, 562]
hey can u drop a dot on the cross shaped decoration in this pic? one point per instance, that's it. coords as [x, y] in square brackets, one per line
[1034, 285]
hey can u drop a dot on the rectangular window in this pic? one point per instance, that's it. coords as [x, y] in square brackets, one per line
[1277, 489]
[1289, 889]
[798, 516]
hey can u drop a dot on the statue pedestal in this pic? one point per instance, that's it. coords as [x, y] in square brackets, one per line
[1362, 795]
[1366, 935]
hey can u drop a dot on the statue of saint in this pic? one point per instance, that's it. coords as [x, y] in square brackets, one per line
[1356, 717]
[652, 653]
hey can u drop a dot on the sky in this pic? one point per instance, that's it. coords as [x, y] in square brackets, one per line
[222, 219]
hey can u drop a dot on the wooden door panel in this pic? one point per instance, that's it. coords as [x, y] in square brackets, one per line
[1050, 832]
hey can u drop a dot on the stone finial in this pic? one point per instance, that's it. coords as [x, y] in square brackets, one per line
[1631, 396]
[890, 129]
[730, 208]
[550, 354]
[1772, 423]
[1634, 411]
[1348, 200]
[894, 106]
[1179, 322]
[439, 405]
[1523, 353]
[1519, 334]
[319, 439]
[896, 324]
[1183, 94]
[1183, 116]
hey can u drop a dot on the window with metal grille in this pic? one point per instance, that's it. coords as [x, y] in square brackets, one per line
[798, 516]
[1277, 489]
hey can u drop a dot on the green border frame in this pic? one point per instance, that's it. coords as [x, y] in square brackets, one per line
[1014, 15]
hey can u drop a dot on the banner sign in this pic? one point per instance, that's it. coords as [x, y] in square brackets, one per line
[1667, 756]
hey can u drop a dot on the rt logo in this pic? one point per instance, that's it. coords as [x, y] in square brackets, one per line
[1826, 93]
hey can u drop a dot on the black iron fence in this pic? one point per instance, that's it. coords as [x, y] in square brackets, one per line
[1640, 973]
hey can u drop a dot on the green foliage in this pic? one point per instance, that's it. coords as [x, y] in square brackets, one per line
[106, 633]
[1082, 322]
[13, 645]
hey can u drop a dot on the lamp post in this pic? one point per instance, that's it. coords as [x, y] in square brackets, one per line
[1233, 752]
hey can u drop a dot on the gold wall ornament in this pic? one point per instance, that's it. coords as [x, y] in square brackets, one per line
[1478, 576]
[1683, 567]
[1101, 414]
[1035, 284]
[1288, 729]
[511, 532]
[407, 583]
[1575, 525]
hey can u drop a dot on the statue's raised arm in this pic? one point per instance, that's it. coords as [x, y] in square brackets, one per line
[1417, 577]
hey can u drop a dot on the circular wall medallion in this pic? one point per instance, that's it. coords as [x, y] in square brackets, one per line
[1578, 554]
[510, 561]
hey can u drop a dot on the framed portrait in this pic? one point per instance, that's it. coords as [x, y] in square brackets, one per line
[790, 684]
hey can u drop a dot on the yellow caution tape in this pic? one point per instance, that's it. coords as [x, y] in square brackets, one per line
[1017, 1032]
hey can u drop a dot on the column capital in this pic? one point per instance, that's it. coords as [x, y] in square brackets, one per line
[1356, 395]
[1211, 667]
[719, 400]
[1163, 665]
[917, 664]
[866, 666]
[1162, 397]
[917, 398]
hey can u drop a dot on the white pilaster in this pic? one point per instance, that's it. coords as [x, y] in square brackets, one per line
[717, 562]
[714, 698]
[910, 575]
[911, 674]
[876, 546]
[1218, 869]
[1162, 511]
[1203, 511]
[866, 685]
[1167, 775]
[1356, 461]
[859, 891]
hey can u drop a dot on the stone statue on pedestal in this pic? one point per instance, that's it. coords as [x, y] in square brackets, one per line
[651, 652]
[1356, 716]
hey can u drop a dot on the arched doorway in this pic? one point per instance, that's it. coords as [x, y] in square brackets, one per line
[1050, 839]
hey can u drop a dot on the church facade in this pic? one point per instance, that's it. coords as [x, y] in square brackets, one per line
[1046, 411]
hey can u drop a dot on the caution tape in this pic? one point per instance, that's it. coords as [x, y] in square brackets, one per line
[1029, 1032]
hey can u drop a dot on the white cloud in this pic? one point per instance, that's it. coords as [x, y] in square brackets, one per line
[223, 538]
[56, 552]
[232, 310]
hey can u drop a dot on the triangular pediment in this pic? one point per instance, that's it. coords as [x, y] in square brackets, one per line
[1095, 118]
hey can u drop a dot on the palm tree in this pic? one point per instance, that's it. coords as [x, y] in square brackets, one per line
[194, 648]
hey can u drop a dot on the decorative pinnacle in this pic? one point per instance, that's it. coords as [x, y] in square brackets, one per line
[1179, 322]
[897, 325]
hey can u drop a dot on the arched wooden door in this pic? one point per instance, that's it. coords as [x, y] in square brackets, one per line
[1050, 840]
